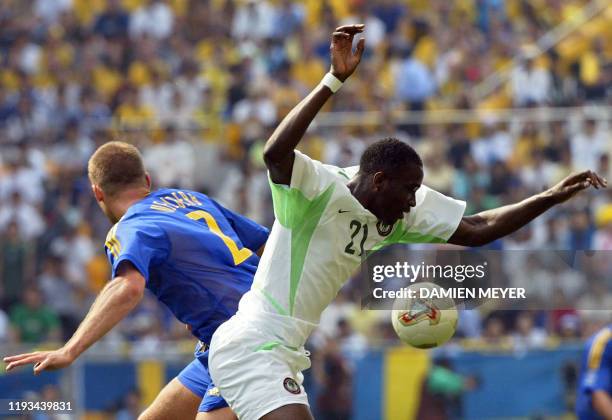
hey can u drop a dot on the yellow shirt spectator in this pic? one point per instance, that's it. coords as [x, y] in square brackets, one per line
[590, 69]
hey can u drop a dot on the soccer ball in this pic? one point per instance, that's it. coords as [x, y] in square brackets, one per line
[427, 320]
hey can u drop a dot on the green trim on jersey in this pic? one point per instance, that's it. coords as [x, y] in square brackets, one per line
[341, 172]
[279, 308]
[296, 212]
[271, 345]
[267, 346]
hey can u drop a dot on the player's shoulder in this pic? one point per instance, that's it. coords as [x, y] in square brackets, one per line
[151, 212]
[129, 227]
[601, 340]
[161, 203]
[599, 348]
[326, 171]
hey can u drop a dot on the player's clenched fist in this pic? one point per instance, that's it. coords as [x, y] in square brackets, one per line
[344, 60]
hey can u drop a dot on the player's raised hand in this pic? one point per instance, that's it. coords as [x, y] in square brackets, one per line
[343, 60]
[42, 360]
[575, 183]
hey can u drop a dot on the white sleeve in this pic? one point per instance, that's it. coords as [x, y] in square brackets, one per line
[311, 183]
[434, 218]
[310, 176]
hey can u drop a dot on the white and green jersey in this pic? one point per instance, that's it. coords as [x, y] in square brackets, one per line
[320, 236]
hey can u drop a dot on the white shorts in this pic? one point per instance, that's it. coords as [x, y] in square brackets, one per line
[254, 371]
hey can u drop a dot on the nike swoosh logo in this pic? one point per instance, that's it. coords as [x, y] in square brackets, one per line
[343, 211]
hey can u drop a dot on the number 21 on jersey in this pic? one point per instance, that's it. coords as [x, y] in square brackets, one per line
[357, 227]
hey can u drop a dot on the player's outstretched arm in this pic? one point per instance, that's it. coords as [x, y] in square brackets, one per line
[115, 301]
[278, 151]
[487, 226]
[602, 403]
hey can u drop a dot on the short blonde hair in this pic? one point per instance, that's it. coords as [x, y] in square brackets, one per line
[115, 166]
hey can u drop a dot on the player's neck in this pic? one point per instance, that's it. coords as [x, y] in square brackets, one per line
[125, 200]
[359, 189]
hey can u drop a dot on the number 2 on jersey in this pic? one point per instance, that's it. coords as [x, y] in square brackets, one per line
[238, 254]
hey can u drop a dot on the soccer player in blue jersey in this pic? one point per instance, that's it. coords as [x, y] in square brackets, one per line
[594, 399]
[197, 257]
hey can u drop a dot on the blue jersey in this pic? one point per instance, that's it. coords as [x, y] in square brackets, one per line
[196, 256]
[596, 373]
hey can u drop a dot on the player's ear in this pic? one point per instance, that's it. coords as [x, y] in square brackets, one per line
[97, 192]
[148, 180]
[377, 180]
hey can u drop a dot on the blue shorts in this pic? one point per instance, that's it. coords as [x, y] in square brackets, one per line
[196, 378]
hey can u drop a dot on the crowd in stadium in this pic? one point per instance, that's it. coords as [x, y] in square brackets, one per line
[182, 78]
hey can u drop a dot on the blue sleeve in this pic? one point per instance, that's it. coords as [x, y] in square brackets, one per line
[251, 234]
[599, 366]
[143, 244]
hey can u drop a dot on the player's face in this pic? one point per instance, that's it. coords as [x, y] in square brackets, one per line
[396, 193]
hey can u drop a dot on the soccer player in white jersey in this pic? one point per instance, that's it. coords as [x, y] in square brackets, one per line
[326, 218]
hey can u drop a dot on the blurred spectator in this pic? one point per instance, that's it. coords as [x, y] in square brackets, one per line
[51, 393]
[254, 19]
[77, 248]
[603, 237]
[467, 179]
[288, 19]
[540, 175]
[72, 151]
[190, 84]
[352, 344]
[592, 71]
[527, 336]
[594, 305]
[50, 10]
[440, 174]
[414, 84]
[113, 22]
[442, 390]
[25, 216]
[581, 230]
[130, 407]
[493, 333]
[16, 265]
[469, 324]
[459, 153]
[154, 18]
[6, 332]
[143, 327]
[32, 320]
[495, 145]
[375, 30]
[588, 145]
[60, 294]
[531, 84]
[334, 379]
[255, 109]
[569, 327]
[24, 177]
[172, 163]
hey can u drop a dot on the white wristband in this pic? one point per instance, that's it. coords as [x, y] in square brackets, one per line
[331, 82]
